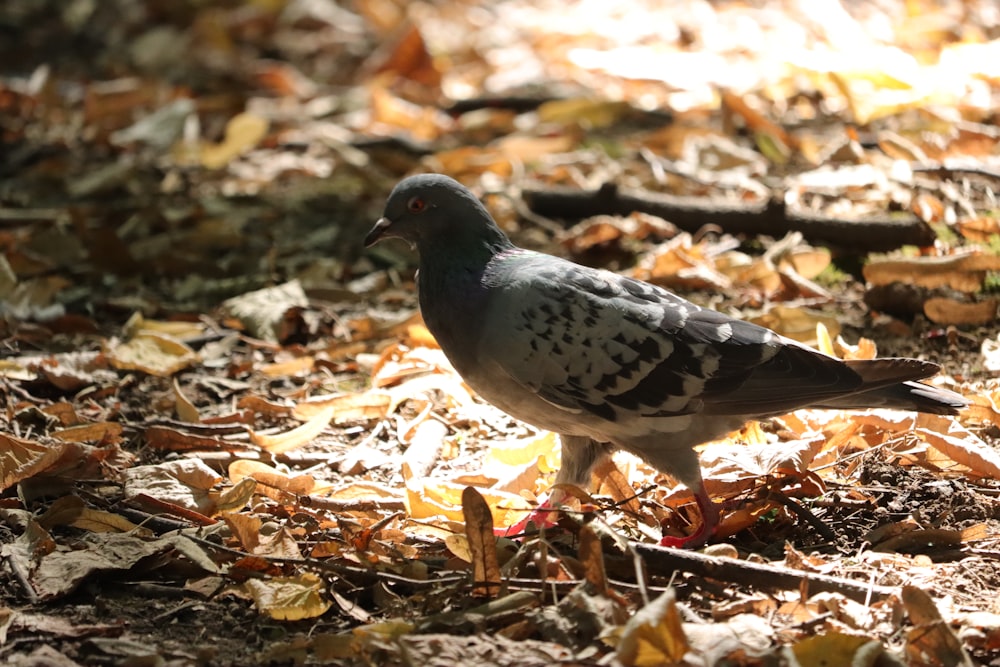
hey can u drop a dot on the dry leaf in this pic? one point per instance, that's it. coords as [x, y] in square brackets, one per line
[654, 635]
[297, 485]
[964, 272]
[408, 57]
[591, 555]
[798, 323]
[942, 310]
[186, 483]
[371, 405]
[959, 444]
[482, 544]
[297, 437]
[932, 641]
[100, 432]
[290, 368]
[835, 648]
[289, 598]
[21, 459]
[156, 354]
[243, 132]
[186, 411]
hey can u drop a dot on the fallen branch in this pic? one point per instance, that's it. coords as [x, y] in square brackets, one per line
[767, 217]
[771, 577]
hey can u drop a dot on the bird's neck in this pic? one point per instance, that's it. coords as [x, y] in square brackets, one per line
[460, 279]
[453, 294]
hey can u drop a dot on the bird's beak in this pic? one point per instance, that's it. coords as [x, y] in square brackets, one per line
[377, 231]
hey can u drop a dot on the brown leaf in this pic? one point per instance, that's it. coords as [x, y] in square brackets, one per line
[798, 323]
[243, 132]
[932, 641]
[836, 648]
[21, 459]
[963, 272]
[959, 444]
[186, 411]
[942, 310]
[482, 544]
[162, 437]
[366, 406]
[271, 478]
[613, 482]
[979, 229]
[156, 354]
[100, 432]
[654, 635]
[408, 57]
[289, 598]
[592, 557]
[297, 437]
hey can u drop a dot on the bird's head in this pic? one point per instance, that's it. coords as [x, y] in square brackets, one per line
[432, 210]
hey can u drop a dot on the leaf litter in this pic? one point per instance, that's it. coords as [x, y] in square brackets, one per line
[220, 414]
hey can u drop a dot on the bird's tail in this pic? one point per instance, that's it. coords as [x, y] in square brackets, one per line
[892, 385]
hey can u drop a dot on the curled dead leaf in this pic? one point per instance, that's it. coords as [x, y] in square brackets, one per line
[482, 544]
[942, 310]
[243, 132]
[297, 437]
[289, 598]
[964, 272]
[798, 323]
[155, 354]
[21, 458]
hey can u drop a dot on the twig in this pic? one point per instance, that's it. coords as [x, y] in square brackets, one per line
[662, 559]
[767, 217]
[352, 505]
[804, 514]
[22, 579]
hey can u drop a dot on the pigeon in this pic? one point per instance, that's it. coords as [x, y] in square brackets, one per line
[608, 362]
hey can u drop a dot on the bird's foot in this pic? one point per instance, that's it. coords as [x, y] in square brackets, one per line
[710, 520]
[543, 516]
[690, 542]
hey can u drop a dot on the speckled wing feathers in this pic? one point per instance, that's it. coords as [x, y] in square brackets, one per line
[592, 341]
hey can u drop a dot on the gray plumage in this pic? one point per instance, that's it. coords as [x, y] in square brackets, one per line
[606, 361]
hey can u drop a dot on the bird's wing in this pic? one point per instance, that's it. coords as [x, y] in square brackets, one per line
[589, 340]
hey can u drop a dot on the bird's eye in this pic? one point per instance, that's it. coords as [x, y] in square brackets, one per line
[416, 205]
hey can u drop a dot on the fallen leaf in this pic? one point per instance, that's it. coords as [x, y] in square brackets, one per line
[289, 598]
[931, 641]
[482, 544]
[21, 459]
[243, 132]
[151, 353]
[964, 271]
[942, 310]
[654, 636]
[297, 437]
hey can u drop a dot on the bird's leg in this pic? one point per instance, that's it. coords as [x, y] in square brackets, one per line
[682, 464]
[579, 456]
[709, 520]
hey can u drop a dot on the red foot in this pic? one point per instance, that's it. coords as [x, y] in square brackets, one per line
[710, 519]
[543, 516]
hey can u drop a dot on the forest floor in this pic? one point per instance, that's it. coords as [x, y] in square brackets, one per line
[228, 438]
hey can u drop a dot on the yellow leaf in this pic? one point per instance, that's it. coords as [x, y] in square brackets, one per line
[654, 636]
[369, 405]
[236, 497]
[836, 649]
[21, 459]
[186, 410]
[297, 437]
[243, 132]
[289, 598]
[524, 451]
[151, 353]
